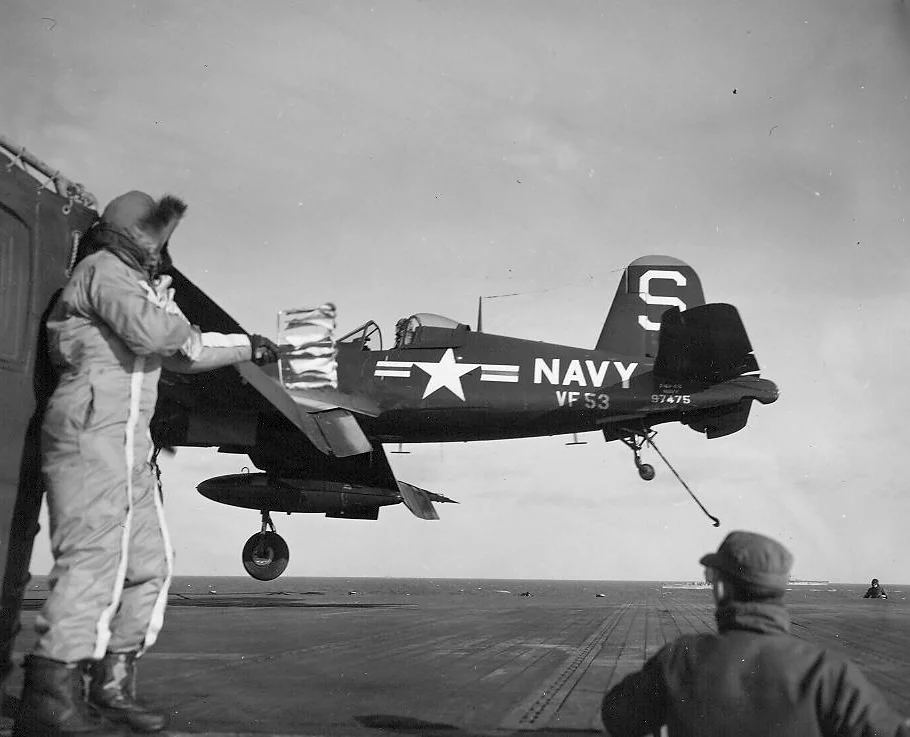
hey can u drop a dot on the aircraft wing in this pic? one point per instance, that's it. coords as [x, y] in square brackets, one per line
[325, 416]
[315, 412]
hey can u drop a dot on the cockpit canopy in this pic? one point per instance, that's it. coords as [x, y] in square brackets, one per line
[422, 330]
[408, 330]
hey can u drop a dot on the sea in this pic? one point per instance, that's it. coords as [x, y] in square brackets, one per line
[466, 590]
[393, 587]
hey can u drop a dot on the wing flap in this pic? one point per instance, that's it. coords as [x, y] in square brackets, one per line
[420, 501]
[417, 501]
[337, 434]
[323, 398]
[341, 432]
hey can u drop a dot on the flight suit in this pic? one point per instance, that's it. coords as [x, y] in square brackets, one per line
[108, 334]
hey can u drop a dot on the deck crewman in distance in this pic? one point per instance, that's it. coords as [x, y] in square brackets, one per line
[875, 591]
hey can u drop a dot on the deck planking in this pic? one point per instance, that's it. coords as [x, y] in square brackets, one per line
[446, 665]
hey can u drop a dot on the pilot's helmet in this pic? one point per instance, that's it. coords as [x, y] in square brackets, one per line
[145, 220]
[147, 223]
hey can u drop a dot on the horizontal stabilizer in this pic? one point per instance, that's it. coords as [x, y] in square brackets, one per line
[727, 417]
[419, 501]
[706, 344]
[720, 421]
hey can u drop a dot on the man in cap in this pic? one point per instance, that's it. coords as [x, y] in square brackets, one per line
[875, 591]
[114, 324]
[752, 678]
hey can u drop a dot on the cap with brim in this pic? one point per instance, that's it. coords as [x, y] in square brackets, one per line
[752, 559]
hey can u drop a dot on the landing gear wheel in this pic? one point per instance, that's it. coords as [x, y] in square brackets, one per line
[635, 439]
[265, 556]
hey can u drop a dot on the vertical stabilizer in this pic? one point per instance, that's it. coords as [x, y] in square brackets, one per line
[650, 285]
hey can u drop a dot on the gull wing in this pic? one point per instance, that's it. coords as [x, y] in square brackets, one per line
[324, 416]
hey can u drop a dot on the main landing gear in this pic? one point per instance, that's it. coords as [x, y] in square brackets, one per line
[266, 554]
[635, 440]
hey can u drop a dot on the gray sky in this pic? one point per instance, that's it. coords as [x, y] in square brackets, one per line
[400, 157]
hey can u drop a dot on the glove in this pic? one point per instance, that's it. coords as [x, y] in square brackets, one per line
[263, 350]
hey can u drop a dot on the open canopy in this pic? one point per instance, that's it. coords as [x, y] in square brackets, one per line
[406, 329]
[420, 330]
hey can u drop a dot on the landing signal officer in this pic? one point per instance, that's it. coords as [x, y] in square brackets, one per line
[114, 324]
[752, 679]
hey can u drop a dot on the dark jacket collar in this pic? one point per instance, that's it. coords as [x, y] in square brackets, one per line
[125, 249]
[753, 616]
[103, 236]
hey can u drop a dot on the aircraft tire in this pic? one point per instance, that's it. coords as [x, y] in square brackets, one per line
[265, 556]
[646, 471]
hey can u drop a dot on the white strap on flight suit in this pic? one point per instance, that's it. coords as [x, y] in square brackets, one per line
[103, 627]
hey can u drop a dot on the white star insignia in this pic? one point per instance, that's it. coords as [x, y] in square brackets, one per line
[446, 373]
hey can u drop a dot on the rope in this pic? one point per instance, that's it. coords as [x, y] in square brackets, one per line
[80, 195]
[24, 159]
[16, 161]
[51, 179]
[73, 254]
[685, 485]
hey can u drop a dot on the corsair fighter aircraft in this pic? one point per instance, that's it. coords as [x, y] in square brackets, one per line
[663, 355]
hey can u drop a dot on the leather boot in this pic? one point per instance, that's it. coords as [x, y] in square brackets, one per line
[54, 704]
[113, 693]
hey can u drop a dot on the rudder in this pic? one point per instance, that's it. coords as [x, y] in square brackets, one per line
[707, 344]
[650, 286]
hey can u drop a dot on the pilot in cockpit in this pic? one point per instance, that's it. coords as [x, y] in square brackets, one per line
[404, 331]
[400, 327]
[406, 328]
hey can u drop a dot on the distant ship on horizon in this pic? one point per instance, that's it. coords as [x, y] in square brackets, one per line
[696, 585]
[685, 585]
[806, 582]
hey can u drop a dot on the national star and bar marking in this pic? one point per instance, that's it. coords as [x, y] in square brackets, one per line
[447, 372]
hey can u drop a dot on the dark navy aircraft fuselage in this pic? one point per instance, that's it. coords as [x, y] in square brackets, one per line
[457, 393]
[663, 355]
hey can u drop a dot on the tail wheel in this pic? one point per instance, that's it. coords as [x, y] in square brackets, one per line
[635, 439]
[265, 556]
